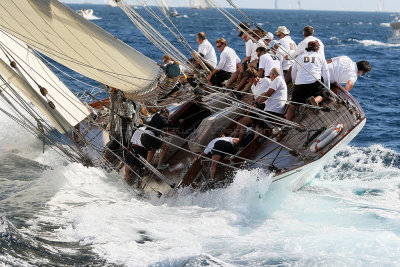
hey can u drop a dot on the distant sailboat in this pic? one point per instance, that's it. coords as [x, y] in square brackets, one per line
[380, 6]
[111, 3]
[199, 4]
[167, 11]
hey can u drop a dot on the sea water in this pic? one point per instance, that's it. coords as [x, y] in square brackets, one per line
[57, 213]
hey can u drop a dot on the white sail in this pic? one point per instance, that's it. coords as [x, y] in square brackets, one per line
[61, 34]
[200, 4]
[112, 3]
[69, 110]
[164, 3]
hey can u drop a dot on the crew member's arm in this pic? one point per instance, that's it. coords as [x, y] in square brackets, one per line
[325, 73]
[212, 74]
[263, 97]
[349, 85]
[219, 67]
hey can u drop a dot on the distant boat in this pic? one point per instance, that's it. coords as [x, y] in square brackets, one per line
[87, 14]
[379, 6]
[112, 3]
[167, 11]
[173, 13]
[395, 24]
[199, 4]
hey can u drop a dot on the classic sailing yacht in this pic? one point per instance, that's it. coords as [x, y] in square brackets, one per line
[135, 84]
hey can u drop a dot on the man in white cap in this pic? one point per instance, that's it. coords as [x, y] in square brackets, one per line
[287, 46]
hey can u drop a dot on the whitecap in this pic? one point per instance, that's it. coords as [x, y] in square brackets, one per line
[374, 43]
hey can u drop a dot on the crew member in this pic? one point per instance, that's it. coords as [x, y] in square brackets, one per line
[206, 50]
[306, 84]
[345, 71]
[267, 62]
[308, 33]
[219, 148]
[274, 98]
[287, 46]
[227, 64]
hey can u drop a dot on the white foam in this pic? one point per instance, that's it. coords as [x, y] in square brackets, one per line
[385, 24]
[327, 223]
[375, 43]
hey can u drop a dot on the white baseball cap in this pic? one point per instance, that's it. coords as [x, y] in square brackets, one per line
[268, 36]
[283, 30]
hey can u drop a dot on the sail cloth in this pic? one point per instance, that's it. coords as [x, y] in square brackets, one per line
[60, 33]
[69, 110]
[200, 4]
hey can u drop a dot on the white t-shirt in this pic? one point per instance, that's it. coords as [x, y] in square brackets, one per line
[314, 63]
[228, 60]
[209, 53]
[254, 48]
[277, 101]
[268, 62]
[212, 143]
[135, 139]
[249, 47]
[301, 47]
[290, 46]
[342, 69]
[261, 87]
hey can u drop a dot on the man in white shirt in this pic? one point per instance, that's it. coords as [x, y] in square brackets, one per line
[145, 141]
[219, 148]
[306, 77]
[259, 86]
[275, 99]
[343, 70]
[308, 33]
[286, 46]
[206, 49]
[266, 62]
[244, 65]
[227, 65]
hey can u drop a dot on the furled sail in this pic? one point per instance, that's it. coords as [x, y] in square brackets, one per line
[60, 33]
[69, 110]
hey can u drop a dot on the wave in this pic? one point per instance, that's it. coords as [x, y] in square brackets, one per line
[92, 17]
[375, 43]
[385, 24]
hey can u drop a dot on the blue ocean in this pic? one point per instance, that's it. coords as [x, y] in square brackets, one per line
[56, 213]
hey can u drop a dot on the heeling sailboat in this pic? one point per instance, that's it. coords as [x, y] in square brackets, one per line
[291, 154]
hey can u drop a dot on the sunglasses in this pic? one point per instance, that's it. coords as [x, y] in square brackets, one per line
[219, 45]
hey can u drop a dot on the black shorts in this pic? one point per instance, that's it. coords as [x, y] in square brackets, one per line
[218, 78]
[113, 145]
[136, 150]
[303, 91]
[226, 148]
[149, 142]
[262, 123]
[253, 114]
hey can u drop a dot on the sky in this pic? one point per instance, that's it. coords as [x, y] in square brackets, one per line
[345, 5]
